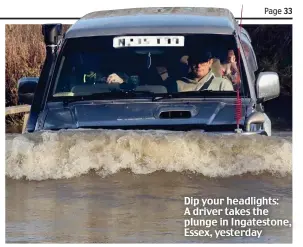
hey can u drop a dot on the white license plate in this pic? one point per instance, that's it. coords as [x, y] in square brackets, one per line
[148, 41]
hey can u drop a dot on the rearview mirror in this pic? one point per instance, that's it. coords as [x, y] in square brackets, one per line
[26, 89]
[268, 86]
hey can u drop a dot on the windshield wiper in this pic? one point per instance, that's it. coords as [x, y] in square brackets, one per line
[208, 92]
[195, 94]
[131, 94]
[165, 96]
[115, 94]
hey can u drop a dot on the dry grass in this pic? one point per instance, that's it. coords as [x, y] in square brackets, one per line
[24, 56]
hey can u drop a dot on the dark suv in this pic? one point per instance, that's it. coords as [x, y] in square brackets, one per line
[118, 70]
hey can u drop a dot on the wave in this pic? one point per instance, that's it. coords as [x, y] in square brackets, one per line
[67, 154]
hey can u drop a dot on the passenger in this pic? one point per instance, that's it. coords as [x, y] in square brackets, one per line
[230, 68]
[201, 76]
[216, 68]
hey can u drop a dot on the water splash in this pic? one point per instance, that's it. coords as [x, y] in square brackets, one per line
[66, 154]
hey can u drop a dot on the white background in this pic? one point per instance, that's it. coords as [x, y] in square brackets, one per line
[59, 8]
[76, 9]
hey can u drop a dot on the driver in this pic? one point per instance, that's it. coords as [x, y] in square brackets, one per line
[201, 76]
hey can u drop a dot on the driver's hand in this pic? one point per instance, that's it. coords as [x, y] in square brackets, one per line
[114, 78]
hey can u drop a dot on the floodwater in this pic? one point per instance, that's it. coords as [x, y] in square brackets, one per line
[129, 186]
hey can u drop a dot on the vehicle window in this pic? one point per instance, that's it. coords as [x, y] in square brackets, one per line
[249, 52]
[250, 57]
[92, 65]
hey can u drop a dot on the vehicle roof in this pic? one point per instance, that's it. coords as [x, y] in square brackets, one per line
[154, 21]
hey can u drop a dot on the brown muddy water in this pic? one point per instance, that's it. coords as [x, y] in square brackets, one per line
[129, 186]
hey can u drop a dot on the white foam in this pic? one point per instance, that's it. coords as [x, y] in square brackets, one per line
[66, 154]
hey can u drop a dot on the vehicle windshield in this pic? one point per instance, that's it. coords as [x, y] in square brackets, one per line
[205, 63]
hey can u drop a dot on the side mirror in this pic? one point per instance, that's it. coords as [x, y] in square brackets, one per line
[268, 86]
[26, 89]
